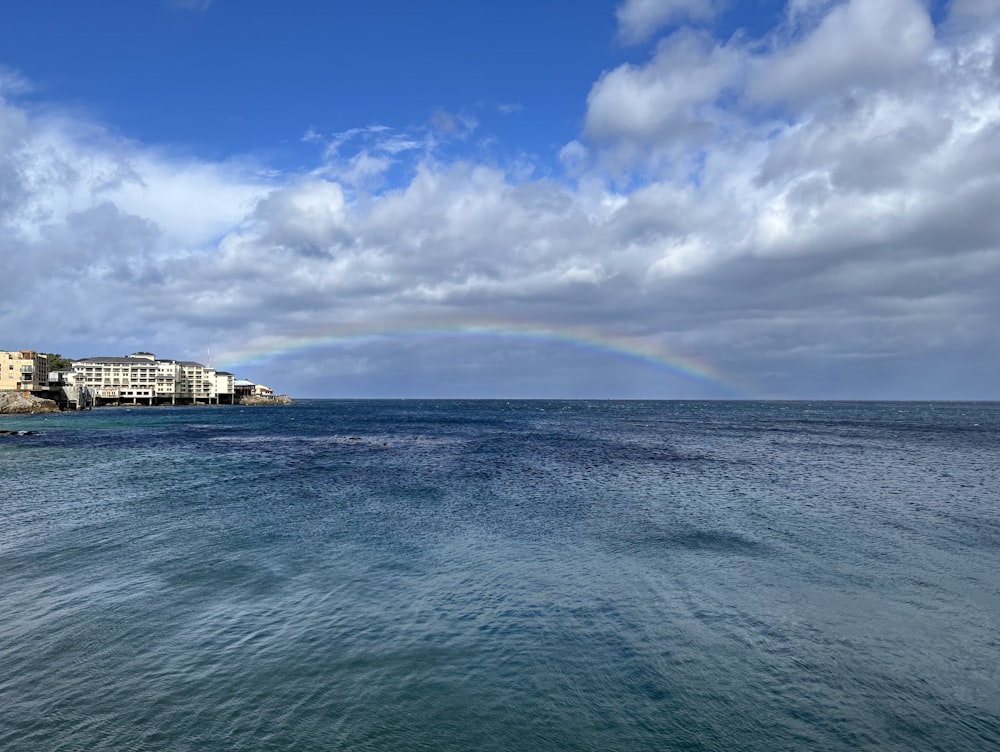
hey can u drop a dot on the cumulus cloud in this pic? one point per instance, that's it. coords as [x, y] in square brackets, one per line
[93, 223]
[863, 43]
[672, 100]
[638, 20]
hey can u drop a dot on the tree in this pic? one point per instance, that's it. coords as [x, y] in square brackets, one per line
[58, 363]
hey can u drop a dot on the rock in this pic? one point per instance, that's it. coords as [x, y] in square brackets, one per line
[278, 399]
[15, 403]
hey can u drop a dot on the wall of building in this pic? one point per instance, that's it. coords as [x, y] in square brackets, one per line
[23, 370]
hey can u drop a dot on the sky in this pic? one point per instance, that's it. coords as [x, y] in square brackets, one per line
[664, 199]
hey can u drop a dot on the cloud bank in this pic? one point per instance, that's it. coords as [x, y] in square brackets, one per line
[813, 212]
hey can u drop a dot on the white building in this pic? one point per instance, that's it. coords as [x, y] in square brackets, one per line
[142, 378]
[225, 384]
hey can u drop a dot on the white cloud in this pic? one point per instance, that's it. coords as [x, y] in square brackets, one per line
[361, 170]
[310, 218]
[672, 97]
[510, 108]
[55, 167]
[194, 202]
[453, 125]
[638, 20]
[12, 82]
[862, 43]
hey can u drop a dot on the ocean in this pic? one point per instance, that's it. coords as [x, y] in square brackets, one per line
[502, 575]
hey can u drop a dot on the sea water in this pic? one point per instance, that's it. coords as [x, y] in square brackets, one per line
[494, 575]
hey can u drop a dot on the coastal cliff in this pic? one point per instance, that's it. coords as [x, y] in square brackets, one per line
[15, 403]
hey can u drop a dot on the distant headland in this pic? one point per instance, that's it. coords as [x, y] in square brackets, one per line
[33, 381]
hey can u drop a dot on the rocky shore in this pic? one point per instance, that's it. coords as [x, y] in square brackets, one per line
[15, 403]
[278, 399]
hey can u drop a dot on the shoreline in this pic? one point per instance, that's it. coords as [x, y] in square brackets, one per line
[16, 403]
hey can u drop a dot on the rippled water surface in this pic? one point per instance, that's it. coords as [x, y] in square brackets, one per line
[502, 576]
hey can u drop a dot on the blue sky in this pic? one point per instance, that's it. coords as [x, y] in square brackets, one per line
[233, 78]
[229, 77]
[645, 198]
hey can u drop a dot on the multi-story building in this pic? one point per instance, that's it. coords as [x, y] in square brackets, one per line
[196, 382]
[114, 379]
[225, 386]
[24, 370]
[142, 378]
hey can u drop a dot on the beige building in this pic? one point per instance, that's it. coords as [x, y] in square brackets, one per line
[24, 370]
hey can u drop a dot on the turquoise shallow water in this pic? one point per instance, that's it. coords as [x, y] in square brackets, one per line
[502, 576]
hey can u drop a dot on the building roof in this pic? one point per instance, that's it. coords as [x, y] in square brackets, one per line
[109, 359]
[130, 360]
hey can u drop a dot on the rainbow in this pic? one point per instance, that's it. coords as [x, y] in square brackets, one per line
[635, 349]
